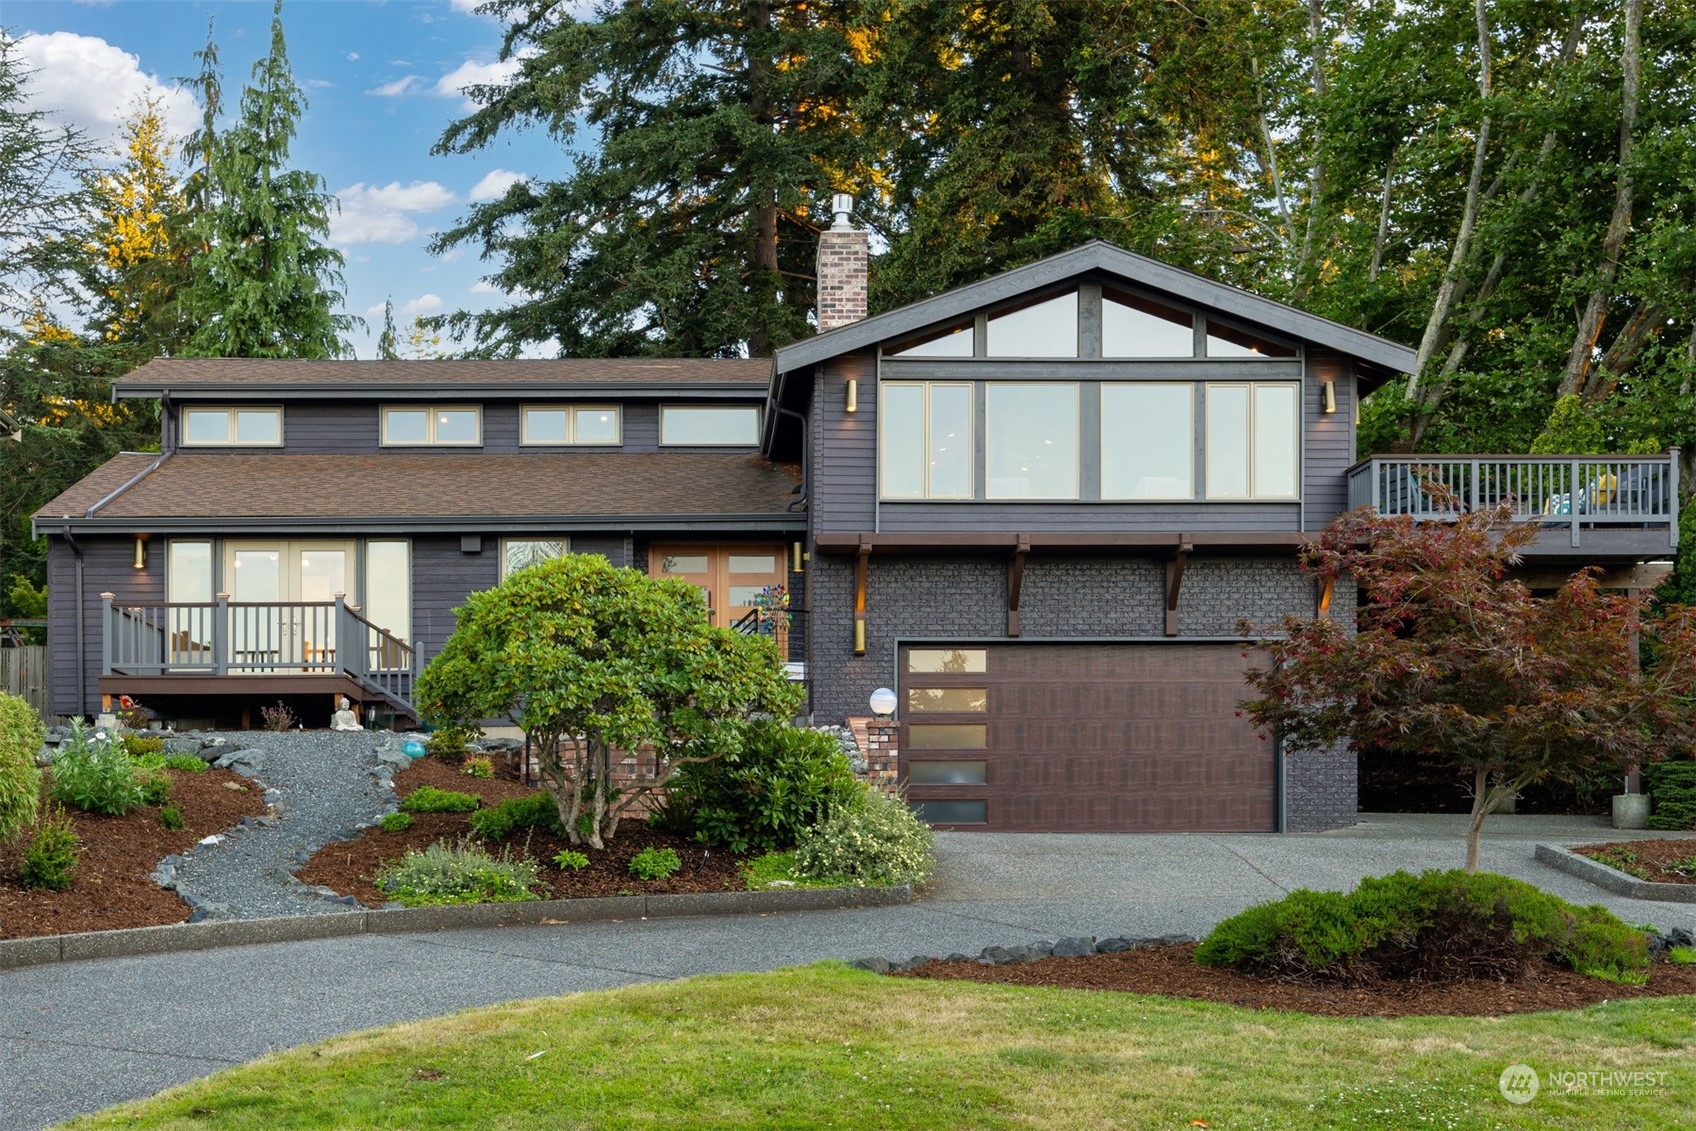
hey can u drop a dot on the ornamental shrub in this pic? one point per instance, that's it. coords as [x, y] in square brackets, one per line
[517, 814]
[785, 780]
[396, 822]
[138, 745]
[875, 842]
[458, 873]
[171, 817]
[1673, 786]
[655, 863]
[1436, 926]
[478, 766]
[51, 856]
[429, 799]
[187, 763]
[95, 774]
[569, 860]
[155, 785]
[21, 735]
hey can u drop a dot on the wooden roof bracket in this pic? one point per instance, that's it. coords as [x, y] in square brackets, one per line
[1175, 580]
[860, 562]
[1016, 582]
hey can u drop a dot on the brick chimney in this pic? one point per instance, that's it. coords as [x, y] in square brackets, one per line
[843, 254]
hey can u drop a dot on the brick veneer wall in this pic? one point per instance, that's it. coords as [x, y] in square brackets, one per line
[842, 273]
[960, 598]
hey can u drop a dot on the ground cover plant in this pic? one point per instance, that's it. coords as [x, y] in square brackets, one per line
[825, 1046]
[1663, 860]
[429, 799]
[1436, 926]
[110, 887]
[459, 873]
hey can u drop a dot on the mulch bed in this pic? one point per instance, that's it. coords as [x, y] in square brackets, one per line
[1171, 971]
[349, 867]
[110, 888]
[1653, 857]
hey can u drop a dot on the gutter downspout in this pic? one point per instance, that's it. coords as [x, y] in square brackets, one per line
[128, 483]
[82, 669]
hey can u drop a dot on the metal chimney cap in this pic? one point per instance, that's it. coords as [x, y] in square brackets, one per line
[842, 204]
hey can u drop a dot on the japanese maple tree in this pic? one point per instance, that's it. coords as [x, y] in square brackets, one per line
[1453, 658]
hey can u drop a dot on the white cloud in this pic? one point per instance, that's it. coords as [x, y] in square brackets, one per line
[494, 184]
[466, 5]
[484, 287]
[397, 88]
[93, 85]
[473, 73]
[378, 213]
[353, 56]
[423, 304]
[374, 314]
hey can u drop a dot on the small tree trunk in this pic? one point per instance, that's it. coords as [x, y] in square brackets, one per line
[1619, 223]
[1482, 803]
[598, 806]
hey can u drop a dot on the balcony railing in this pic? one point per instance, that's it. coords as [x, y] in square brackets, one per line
[1570, 492]
[785, 626]
[224, 638]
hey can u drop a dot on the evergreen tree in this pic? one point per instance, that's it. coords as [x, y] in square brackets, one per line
[719, 131]
[263, 281]
[386, 341]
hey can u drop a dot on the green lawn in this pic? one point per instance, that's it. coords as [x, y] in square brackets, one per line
[826, 1046]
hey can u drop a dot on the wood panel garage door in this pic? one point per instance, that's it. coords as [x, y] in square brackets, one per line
[1090, 737]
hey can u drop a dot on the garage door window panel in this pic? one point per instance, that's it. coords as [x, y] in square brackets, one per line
[947, 772]
[1031, 442]
[947, 736]
[949, 661]
[931, 700]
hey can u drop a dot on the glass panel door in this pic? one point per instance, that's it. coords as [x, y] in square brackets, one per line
[734, 580]
[283, 603]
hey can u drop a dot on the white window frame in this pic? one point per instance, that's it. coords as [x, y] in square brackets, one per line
[229, 412]
[971, 388]
[430, 412]
[571, 411]
[1254, 388]
[754, 443]
[564, 548]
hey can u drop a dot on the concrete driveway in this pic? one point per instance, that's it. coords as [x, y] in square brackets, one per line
[76, 1037]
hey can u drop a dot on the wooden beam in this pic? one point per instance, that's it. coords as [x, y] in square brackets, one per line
[1325, 587]
[1016, 582]
[1155, 541]
[1175, 581]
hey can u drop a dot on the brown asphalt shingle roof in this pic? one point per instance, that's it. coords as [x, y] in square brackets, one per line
[433, 485]
[189, 372]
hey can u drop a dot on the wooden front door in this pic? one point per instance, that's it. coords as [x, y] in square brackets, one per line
[730, 577]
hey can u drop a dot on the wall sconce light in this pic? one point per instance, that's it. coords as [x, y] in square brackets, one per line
[859, 637]
[140, 561]
[883, 702]
[852, 404]
[1328, 390]
[797, 558]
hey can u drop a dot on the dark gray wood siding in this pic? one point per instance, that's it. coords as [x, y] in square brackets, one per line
[1329, 436]
[844, 470]
[331, 428]
[107, 568]
[442, 576]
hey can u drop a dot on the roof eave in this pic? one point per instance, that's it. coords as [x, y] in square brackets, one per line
[251, 391]
[754, 522]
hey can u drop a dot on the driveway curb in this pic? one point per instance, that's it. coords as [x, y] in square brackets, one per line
[1611, 878]
[245, 932]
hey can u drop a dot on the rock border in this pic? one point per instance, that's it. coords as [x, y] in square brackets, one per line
[171, 937]
[1613, 879]
[1072, 946]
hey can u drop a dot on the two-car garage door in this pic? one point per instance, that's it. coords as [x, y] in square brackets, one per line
[1084, 737]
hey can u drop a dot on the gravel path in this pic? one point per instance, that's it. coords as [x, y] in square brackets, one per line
[322, 785]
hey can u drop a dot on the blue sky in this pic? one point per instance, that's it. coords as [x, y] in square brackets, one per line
[383, 80]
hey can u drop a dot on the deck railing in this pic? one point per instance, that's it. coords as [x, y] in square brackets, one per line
[224, 638]
[1570, 492]
[786, 626]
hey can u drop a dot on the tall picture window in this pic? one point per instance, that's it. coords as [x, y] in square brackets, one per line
[388, 586]
[1030, 440]
[1148, 440]
[925, 440]
[1253, 441]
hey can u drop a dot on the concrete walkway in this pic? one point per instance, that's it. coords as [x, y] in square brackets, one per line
[75, 1037]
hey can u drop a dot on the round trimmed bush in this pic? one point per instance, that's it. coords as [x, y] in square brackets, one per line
[876, 842]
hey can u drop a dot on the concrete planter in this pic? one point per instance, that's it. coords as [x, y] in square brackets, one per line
[1631, 810]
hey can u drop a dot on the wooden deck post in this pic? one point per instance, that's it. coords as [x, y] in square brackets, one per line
[221, 639]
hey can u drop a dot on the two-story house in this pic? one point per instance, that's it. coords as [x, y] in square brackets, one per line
[1039, 508]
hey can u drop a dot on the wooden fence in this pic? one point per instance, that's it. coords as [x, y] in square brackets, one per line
[23, 672]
